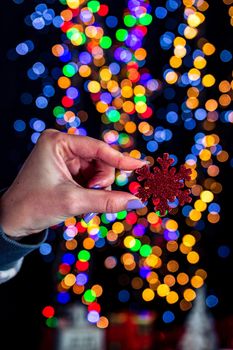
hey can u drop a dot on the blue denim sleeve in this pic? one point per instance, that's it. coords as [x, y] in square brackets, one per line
[11, 251]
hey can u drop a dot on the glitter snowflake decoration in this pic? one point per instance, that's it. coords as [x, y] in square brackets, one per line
[163, 185]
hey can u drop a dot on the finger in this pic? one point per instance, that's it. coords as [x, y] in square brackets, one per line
[100, 201]
[90, 148]
[104, 175]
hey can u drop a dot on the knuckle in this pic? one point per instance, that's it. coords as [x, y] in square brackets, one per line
[48, 135]
[110, 205]
[69, 202]
[100, 147]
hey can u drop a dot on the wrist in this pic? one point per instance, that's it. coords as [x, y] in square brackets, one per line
[10, 228]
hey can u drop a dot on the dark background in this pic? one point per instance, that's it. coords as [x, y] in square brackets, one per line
[22, 298]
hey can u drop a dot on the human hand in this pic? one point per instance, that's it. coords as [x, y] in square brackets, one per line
[55, 183]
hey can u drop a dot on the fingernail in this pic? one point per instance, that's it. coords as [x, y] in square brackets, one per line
[89, 216]
[135, 204]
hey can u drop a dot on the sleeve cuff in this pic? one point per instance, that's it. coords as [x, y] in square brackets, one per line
[11, 250]
[6, 275]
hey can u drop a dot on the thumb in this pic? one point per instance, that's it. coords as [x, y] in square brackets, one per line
[101, 201]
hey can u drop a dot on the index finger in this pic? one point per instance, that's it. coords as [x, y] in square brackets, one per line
[88, 147]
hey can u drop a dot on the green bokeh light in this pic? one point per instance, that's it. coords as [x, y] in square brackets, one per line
[105, 42]
[84, 255]
[145, 250]
[89, 295]
[94, 6]
[121, 34]
[69, 70]
[130, 20]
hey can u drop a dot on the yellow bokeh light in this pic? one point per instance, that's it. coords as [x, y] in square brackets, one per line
[148, 294]
[73, 4]
[175, 62]
[105, 74]
[197, 281]
[172, 297]
[195, 215]
[208, 49]
[112, 86]
[189, 240]
[97, 289]
[182, 278]
[193, 257]
[171, 77]
[169, 280]
[207, 196]
[200, 205]
[199, 62]
[211, 105]
[208, 80]
[130, 127]
[180, 51]
[210, 140]
[151, 260]
[88, 243]
[93, 86]
[118, 227]
[195, 19]
[64, 82]
[163, 290]
[179, 41]
[190, 32]
[139, 90]
[101, 107]
[129, 241]
[224, 100]
[69, 280]
[194, 74]
[205, 154]
[171, 225]
[144, 127]
[135, 154]
[192, 102]
[102, 322]
[140, 54]
[141, 107]
[189, 294]
[224, 86]
[127, 91]
[152, 218]
[84, 71]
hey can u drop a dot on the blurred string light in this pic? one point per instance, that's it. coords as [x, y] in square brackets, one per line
[107, 60]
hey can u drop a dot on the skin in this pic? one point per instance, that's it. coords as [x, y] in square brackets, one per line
[55, 183]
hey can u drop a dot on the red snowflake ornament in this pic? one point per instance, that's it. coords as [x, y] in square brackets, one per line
[163, 185]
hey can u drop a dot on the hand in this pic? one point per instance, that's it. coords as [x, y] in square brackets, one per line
[55, 183]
